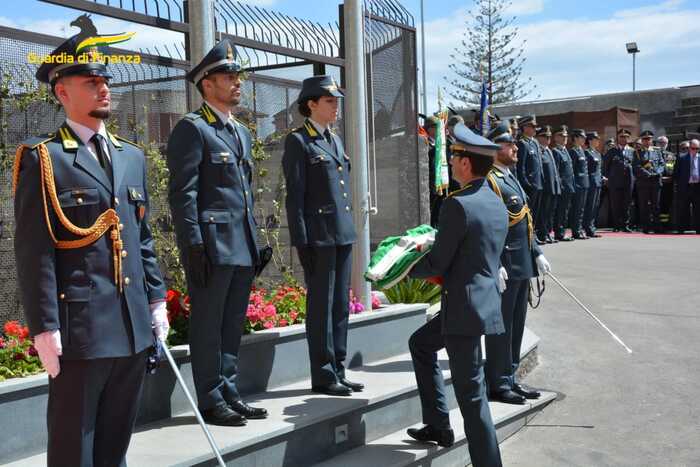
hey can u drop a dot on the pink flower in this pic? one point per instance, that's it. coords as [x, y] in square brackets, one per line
[293, 315]
[359, 307]
[283, 322]
[2, 343]
[376, 303]
[269, 325]
[269, 310]
[32, 351]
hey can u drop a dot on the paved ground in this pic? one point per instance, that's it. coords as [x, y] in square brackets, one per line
[617, 409]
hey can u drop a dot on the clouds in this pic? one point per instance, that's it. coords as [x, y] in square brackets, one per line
[586, 55]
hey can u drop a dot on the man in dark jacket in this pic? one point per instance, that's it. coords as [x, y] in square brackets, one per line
[551, 187]
[529, 166]
[686, 179]
[91, 299]
[565, 168]
[648, 165]
[211, 199]
[617, 169]
[581, 183]
[469, 242]
[596, 179]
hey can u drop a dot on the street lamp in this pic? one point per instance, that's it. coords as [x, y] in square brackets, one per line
[633, 49]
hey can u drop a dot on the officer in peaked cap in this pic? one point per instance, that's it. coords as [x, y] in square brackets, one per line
[617, 168]
[319, 214]
[596, 179]
[566, 175]
[529, 167]
[581, 183]
[468, 245]
[211, 169]
[91, 298]
[551, 186]
[648, 165]
[520, 260]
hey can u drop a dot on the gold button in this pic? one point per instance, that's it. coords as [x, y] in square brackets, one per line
[342, 182]
[211, 219]
[347, 208]
[224, 159]
[62, 296]
[246, 192]
[79, 200]
[340, 168]
[126, 281]
[116, 200]
[124, 254]
[121, 226]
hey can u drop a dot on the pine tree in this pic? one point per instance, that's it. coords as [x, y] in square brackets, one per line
[488, 50]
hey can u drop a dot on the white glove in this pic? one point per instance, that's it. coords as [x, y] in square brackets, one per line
[48, 346]
[543, 265]
[159, 320]
[502, 278]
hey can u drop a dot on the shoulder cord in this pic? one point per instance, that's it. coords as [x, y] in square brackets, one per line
[514, 218]
[540, 292]
[106, 220]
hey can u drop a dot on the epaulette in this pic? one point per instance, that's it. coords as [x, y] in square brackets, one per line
[116, 138]
[192, 116]
[37, 140]
[497, 173]
[461, 190]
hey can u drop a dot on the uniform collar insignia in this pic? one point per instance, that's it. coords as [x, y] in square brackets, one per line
[67, 139]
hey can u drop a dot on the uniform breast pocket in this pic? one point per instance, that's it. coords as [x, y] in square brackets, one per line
[137, 201]
[224, 163]
[319, 162]
[80, 205]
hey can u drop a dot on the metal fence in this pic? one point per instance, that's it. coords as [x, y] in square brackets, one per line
[148, 100]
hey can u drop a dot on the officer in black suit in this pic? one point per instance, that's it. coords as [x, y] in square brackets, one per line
[551, 187]
[529, 167]
[211, 199]
[648, 165]
[520, 260]
[565, 168]
[581, 183]
[596, 179]
[86, 268]
[319, 214]
[686, 178]
[617, 168]
[468, 244]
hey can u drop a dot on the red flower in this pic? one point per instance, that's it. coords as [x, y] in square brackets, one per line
[19, 356]
[13, 328]
[32, 351]
[269, 311]
[283, 322]
[2, 343]
[269, 325]
[293, 315]
[24, 333]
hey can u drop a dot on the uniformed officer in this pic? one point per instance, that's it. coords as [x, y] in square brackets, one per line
[566, 175]
[86, 266]
[617, 168]
[211, 199]
[596, 179]
[529, 167]
[581, 183]
[648, 165]
[551, 187]
[520, 260]
[319, 214]
[466, 252]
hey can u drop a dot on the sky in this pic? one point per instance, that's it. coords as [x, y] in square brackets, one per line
[572, 48]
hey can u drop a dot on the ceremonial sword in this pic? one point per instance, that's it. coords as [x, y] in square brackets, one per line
[210, 438]
[590, 313]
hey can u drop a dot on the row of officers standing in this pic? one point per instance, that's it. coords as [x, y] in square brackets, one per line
[563, 173]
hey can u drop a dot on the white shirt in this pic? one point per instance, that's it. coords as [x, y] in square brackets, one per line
[502, 168]
[694, 167]
[85, 134]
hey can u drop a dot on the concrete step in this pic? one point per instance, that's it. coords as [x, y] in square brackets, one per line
[268, 360]
[688, 110]
[399, 450]
[690, 101]
[303, 428]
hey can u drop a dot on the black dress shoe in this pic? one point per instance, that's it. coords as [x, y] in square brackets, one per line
[355, 387]
[564, 239]
[508, 397]
[222, 415]
[333, 389]
[251, 413]
[527, 393]
[444, 437]
[540, 242]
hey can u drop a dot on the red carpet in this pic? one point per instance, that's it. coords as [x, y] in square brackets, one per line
[641, 234]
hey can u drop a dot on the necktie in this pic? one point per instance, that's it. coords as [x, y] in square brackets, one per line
[327, 135]
[102, 156]
[234, 133]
